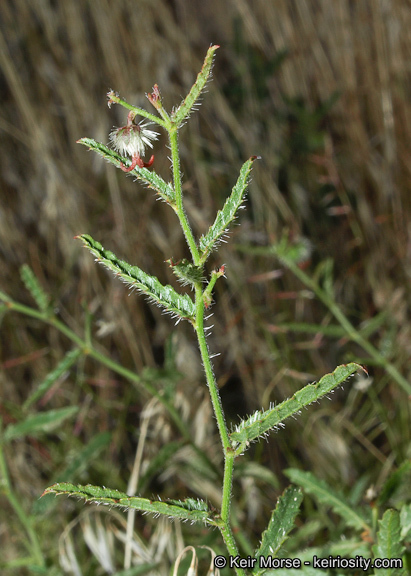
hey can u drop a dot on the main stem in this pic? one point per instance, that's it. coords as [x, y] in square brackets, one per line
[175, 161]
[225, 526]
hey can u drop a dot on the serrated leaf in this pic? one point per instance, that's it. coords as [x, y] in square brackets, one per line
[65, 364]
[179, 305]
[389, 543]
[33, 286]
[281, 523]
[260, 423]
[228, 213]
[151, 179]
[189, 509]
[186, 107]
[39, 423]
[329, 497]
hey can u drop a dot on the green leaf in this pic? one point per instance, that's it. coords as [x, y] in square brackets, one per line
[69, 359]
[260, 423]
[189, 509]
[329, 497]
[389, 542]
[151, 179]
[281, 523]
[39, 423]
[33, 286]
[179, 305]
[186, 107]
[405, 517]
[228, 213]
[188, 273]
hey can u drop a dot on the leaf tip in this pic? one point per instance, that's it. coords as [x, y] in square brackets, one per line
[48, 490]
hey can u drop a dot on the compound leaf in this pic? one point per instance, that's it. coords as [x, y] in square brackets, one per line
[33, 286]
[186, 107]
[189, 509]
[179, 305]
[39, 423]
[281, 523]
[228, 213]
[151, 179]
[65, 364]
[389, 543]
[260, 423]
[329, 497]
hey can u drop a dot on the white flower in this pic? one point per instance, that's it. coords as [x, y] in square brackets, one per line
[132, 139]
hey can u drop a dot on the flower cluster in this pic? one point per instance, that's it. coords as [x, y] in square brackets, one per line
[132, 140]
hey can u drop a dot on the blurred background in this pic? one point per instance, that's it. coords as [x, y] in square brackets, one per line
[321, 91]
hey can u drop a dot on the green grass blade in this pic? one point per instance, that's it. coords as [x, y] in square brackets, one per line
[389, 542]
[327, 496]
[151, 179]
[189, 509]
[281, 523]
[260, 423]
[228, 213]
[33, 286]
[39, 423]
[69, 359]
[178, 305]
[186, 107]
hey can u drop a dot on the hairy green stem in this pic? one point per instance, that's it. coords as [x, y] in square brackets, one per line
[208, 369]
[229, 456]
[175, 160]
[225, 528]
[138, 111]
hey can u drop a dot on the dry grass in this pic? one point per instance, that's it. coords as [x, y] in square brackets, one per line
[347, 192]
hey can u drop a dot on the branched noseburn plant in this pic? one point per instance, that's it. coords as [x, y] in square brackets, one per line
[130, 143]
